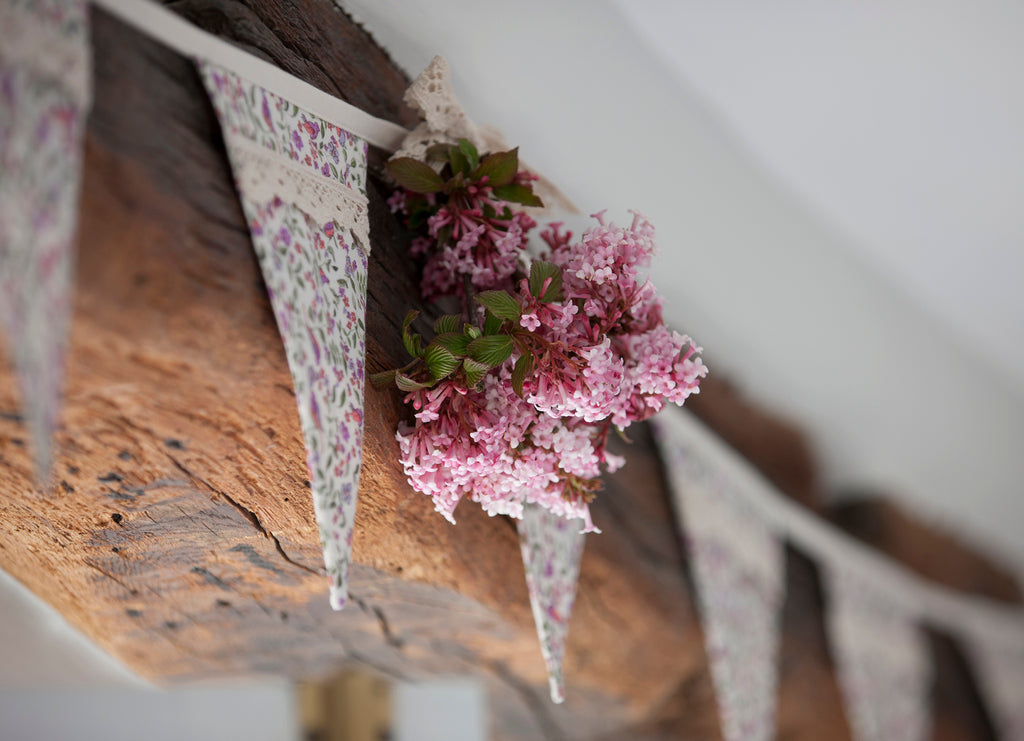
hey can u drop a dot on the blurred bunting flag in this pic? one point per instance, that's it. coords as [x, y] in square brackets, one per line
[737, 568]
[881, 658]
[45, 95]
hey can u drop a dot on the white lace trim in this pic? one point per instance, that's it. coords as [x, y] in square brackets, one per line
[263, 175]
[28, 41]
[444, 120]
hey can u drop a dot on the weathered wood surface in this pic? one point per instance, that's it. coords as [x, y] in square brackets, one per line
[179, 532]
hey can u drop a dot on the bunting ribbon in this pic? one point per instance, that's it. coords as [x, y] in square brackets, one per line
[45, 94]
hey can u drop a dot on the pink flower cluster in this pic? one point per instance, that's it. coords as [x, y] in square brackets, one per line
[601, 356]
[472, 240]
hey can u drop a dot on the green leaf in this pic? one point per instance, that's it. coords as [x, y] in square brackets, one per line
[454, 342]
[500, 168]
[414, 175]
[383, 380]
[460, 164]
[407, 384]
[523, 368]
[492, 324]
[474, 371]
[469, 151]
[438, 152]
[411, 341]
[540, 272]
[492, 350]
[516, 193]
[448, 323]
[456, 183]
[473, 332]
[501, 304]
[440, 362]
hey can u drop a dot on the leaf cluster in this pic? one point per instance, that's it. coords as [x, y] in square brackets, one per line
[456, 167]
[463, 351]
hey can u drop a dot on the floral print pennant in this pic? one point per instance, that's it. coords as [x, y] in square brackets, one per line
[45, 94]
[881, 659]
[552, 547]
[301, 181]
[737, 566]
[999, 669]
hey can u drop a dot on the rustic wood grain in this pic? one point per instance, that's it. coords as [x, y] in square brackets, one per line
[178, 531]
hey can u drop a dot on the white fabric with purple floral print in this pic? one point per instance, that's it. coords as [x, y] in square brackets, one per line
[999, 668]
[552, 547]
[737, 567]
[45, 93]
[301, 181]
[881, 659]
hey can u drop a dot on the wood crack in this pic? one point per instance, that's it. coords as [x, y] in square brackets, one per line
[249, 515]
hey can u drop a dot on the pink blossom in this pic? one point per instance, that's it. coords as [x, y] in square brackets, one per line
[602, 356]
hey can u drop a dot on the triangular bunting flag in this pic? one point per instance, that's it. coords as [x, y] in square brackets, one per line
[999, 669]
[45, 94]
[737, 566]
[552, 547]
[881, 659]
[302, 183]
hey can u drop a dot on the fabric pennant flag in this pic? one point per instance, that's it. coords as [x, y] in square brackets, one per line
[998, 664]
[552, 547]
[737, 565]
[302, 184]
[881, 658]
[45, 95]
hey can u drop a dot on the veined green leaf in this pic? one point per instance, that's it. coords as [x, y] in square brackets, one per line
[474, 371]
[448, 323]
[516, 193]
[522, 368]
[500, 168]
[501, 304]
[411, 341]
[407, 384]
[383, 380]
[438, 152]
[540, 272]
[440, 361]
[414, 175]
[492, 324]
[469, 151]
[459, 161]
[491, 350]
[455, 342]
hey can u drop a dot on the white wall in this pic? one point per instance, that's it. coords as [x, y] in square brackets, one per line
[779, 297]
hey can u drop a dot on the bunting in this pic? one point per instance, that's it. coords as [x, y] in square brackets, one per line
[552, 547]
[881, 659]
[998, 663]
[301, 180]
[45, 94]
[737, 568]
